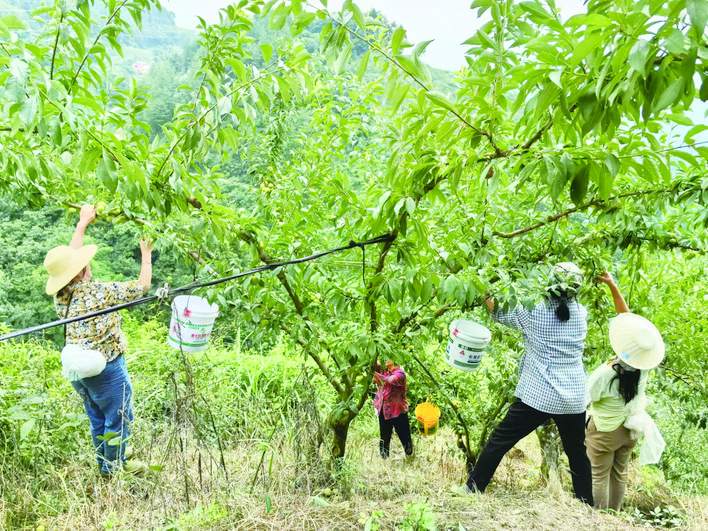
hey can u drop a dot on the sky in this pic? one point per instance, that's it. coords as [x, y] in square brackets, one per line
[448, 24]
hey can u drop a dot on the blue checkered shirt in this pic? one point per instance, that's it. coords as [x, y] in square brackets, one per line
[552, 377]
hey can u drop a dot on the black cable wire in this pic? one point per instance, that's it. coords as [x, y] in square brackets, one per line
[380, 239]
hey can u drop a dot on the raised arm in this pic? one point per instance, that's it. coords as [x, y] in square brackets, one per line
[146, 247]
[491, 304]
[617, 298]
[86, 215]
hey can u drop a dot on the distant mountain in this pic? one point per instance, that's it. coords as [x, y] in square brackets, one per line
[158, 28]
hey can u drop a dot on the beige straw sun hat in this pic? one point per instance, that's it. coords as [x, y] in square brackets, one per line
[636, 341]
[63, 263]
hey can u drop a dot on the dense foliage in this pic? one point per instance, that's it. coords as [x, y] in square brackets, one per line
[562, 140]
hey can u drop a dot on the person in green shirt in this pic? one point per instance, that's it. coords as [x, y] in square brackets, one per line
[617, 391]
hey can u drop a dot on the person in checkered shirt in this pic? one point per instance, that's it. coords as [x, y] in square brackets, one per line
[552, 380]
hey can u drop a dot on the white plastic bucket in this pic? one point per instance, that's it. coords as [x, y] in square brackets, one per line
[467, 344]
[192, 320]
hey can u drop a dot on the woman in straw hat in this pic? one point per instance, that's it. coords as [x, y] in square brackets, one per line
[618, 392]
[107, 396]
[552, 380]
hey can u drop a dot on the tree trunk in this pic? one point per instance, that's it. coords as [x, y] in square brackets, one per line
[339, 442]
[340, 419]
[550, 443]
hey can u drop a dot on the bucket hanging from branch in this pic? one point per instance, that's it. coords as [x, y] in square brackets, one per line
[192, 320]
[428, 415]
[467, 343]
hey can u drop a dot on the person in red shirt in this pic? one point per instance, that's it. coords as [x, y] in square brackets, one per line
[392, 408]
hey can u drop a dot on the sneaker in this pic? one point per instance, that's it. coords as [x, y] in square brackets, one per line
[463, 490]
[128, 453]
[135, 468]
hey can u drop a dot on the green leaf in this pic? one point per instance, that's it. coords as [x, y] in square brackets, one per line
[357, 15]
[426, 290]
[555, 76]
[26, 428]
[105, 172]
[410, 205]
[686, 157]
[440, 100]
[399, 205]
[420, 48]
[589, 44]
[319, 501]
[680, 118]
[408, 64]
[19, 70]
[696, 129]
[302, 20]
[613, 164]
[341, 62]
[703, 93]
[56, 134]
[11, 22]
[28, 110]
[698, 13]
[487, 40]
[579, 185]
[224, 105]
[590, 20]
[669, 96]
[267, 51]
[535, 9]
[363, 64]
[638, 56]
[279, 16]
[605, 180]
[396, 40]
[675, 43]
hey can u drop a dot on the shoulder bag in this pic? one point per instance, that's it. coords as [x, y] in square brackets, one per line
[78, 362]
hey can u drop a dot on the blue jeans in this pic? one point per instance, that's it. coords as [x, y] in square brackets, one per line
[107, 399]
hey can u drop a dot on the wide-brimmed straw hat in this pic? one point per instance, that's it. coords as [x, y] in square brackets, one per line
[63, 263]
[636, 341]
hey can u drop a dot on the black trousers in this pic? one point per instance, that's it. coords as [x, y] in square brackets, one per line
[521, 420]
[403, 430]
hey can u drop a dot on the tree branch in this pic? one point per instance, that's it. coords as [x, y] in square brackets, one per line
[417, 81]
[318, 361]
[570, 211]
[56, 45]
[98, 36]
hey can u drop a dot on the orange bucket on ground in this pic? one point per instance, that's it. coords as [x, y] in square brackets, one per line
[428, 415]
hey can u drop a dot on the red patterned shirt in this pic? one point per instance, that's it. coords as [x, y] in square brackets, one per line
[391, 395]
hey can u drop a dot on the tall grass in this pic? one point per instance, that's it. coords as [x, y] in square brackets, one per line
[238, 441]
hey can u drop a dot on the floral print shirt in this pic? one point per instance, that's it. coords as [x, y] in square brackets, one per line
[391, 396]
[103, 332]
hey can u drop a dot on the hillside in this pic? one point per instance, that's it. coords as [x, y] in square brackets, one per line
[248, 154]
[369, 494]
[234, 441]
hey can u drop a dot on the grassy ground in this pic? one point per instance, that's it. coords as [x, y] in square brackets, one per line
[273, 485]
